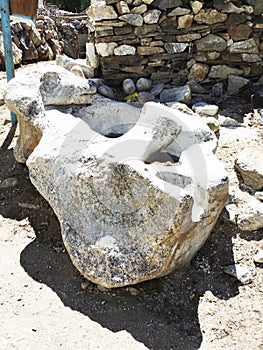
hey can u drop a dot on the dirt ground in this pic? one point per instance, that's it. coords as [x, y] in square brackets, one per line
[46, 304]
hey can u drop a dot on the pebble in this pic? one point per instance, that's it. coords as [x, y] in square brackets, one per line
[128, 86]
[9, 182]
[258, 258]
[241, 273]
[106, 91]
[143, 84]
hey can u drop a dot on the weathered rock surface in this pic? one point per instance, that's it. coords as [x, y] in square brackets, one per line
[249, 163]
[128, 213]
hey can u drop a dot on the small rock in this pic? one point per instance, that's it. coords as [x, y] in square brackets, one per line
[143, 84]
[259, 196]
[157, 89]
[29, 206]
[103, 289]
[97, 81]
[145, 96]
[106, 91]
[9, 182]
[179, 94]
[217, 90]
[181, 107]
[132, 291]
[205, 109]
[196, 88]
[249, 163]
[128, 86]
[228, 122]
[212, 123]
[124, 50]
[84, 285]
[235, 84]
[258, 258]
[241, 273]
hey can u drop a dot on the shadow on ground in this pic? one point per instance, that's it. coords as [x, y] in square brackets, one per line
[164, 313]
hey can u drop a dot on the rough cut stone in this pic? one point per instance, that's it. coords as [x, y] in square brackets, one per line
[106, 49]
[178, 94]
[133, 19]
[211, 42]
[240, 32]
[188, 37]
[139, 9]
[124, 50]
[122, 7]
[249, 163]
[246, 46]
[198, 71]
[152, 16]
[98, 11]
[235, 84]
[125, 217]
[175, 47]
[250, 57]
[178, 11]
[185, 21]
[210, 16]
[196, 6]
[223, 71]
[149, 50]
[250, 213]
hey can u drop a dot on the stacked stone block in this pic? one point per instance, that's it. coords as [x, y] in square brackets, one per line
[175, 41]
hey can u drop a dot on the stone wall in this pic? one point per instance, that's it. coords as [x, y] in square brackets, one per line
[176, 41]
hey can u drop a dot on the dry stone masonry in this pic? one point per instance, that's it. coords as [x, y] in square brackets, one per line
[179, 40]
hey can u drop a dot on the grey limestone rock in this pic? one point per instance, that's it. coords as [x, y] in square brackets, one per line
[128, 86]
[132, 207]
[177, 94]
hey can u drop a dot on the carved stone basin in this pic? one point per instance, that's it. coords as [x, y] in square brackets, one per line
[137, 192]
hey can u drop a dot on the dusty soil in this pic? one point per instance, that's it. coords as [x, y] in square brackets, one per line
[46, 304]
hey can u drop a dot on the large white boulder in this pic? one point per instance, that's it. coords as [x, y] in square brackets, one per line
[137, 192]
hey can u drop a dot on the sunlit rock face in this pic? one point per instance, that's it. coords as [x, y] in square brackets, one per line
[137, 191]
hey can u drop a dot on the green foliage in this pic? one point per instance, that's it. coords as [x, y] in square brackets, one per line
[71, 5]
